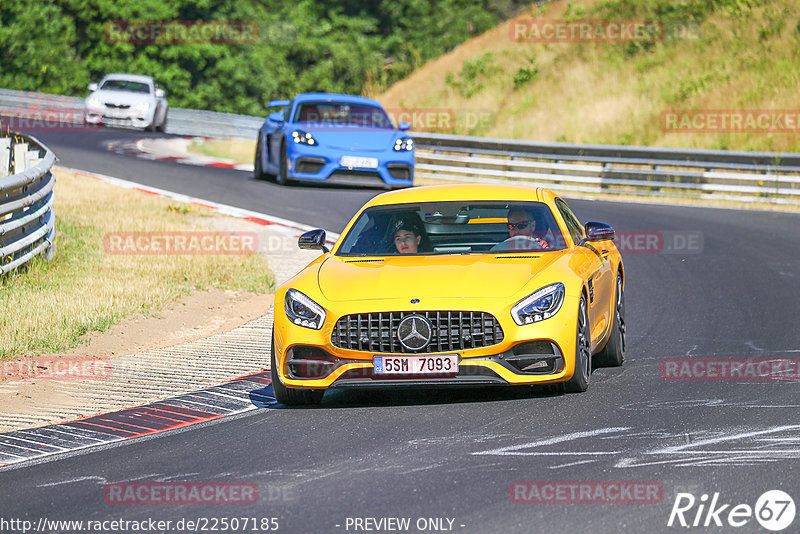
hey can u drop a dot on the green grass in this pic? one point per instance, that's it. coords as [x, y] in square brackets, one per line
[48, 306]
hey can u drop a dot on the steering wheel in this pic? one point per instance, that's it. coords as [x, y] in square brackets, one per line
[518, 242]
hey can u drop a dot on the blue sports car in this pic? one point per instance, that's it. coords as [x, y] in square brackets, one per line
[332, 138]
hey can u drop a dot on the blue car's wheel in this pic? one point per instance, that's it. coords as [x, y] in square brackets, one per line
[283, 170]
[258, 168]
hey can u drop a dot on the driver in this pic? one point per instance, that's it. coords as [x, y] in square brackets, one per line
[521, 224]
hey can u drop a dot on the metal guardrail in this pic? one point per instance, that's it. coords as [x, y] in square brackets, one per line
[616, 169]
[43, 111]
[27, 222]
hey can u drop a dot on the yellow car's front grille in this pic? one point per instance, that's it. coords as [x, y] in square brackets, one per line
[450, 331]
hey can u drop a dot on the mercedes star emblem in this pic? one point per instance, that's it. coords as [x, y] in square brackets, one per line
[414, 332]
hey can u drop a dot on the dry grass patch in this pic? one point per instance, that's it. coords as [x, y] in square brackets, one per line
[48, 306]
[735, 55]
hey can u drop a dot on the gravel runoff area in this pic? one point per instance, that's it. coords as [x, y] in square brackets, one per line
[150, 375]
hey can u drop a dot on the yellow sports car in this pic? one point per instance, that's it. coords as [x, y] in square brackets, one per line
[452, 285]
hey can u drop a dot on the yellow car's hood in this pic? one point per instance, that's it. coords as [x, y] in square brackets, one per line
[449, 276]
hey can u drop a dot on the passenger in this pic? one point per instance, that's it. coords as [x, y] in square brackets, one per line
[408, 236]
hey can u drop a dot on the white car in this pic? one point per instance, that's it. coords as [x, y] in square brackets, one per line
[127, 100]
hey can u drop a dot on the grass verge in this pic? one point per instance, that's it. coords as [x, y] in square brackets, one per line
[238, 150]
[715, 55]
[48, 306]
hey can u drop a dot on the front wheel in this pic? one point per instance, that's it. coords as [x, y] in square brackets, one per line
[291, 396]
[583, 353]
[163, 126]
[614, 352]
[258, 169]
[283, 172]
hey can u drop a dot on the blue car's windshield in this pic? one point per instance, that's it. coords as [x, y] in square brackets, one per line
[342, 113]
[472, 227]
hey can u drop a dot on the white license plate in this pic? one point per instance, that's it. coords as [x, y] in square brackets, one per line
[439, 364]
[363, 163]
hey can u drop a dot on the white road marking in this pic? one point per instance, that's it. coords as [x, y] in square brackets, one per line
[712, 441]
[571, 464]
[72, 480]
[512, 450]
[692, 456]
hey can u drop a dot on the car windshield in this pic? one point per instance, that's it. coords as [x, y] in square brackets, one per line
[463, 227]
[342, 113]
[125, 85]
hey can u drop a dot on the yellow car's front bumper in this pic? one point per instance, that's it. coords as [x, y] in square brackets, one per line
[477, 366]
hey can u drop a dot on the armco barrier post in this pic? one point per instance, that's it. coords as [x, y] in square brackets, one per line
[27, 221]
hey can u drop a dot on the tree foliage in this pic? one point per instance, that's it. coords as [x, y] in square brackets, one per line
[349, 46]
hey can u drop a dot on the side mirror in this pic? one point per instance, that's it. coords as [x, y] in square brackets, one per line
[403, 125]
[278, 103]
[92, 87]
[597, 231]
[313, 240]
[159, 93]
[275, 116]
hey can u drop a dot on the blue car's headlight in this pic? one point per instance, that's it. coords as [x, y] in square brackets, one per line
[303, 138]
[404, 144]
[540, 305]
[303, 311]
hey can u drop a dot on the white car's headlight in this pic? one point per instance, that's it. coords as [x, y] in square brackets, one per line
[539, 305]
[140, 107]
[404, 144]
[93, 102]
[303, 311]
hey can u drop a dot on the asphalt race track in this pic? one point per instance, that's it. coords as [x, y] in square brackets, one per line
[456, 454]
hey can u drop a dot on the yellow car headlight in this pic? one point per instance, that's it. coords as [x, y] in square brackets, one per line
[303, 311]
[539, 305]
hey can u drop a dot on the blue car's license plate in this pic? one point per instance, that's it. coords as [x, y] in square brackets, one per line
[357, 162]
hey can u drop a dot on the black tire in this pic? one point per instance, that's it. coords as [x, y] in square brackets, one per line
[291, 396]
[613, 354]
[583, 353]
[163, 126]
[258, 169]
[283, 171]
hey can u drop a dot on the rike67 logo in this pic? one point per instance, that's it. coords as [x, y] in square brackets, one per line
[774, 510]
